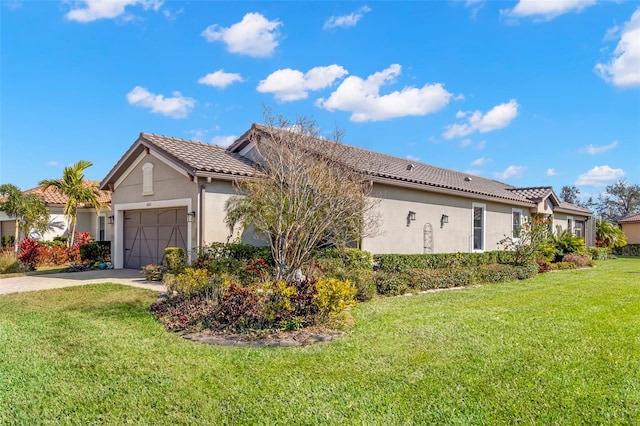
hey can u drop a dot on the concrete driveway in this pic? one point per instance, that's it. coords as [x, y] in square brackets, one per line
[131, 277]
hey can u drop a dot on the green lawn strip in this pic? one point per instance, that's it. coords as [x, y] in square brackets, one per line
[561, 348]
[42, 270]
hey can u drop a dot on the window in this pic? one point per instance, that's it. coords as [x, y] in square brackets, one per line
[101, 236]
[478, 226]
[579, 228]
[516, 222]
[147, 179]
[570, 224]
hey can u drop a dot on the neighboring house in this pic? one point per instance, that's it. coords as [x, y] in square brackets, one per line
[171, 192]
[87, 219]
[631, 227]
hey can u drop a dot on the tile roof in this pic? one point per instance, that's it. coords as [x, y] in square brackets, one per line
[630, 219]
[52, 196]
[403, 170]
[202, 157]
[537, 193]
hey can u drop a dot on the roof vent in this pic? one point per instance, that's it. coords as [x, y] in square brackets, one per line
[410, 167]
[467, 179]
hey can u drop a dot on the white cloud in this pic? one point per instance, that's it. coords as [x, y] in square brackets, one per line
[481, 161]
[482, 145]
[497, 118]
[292, 85]
[91, 10]
[54, 164]
[509, 172]
[465, 142]
[546, 10]
[599, 176]
[176, 106]
[346, 21]
[223, 141]
[254, 36]
[623, 70]
[551, 172]
[363, 99]
[220, 79]
[412, 158]
[595, 149]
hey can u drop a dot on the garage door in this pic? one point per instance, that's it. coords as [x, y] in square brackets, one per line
[148, 232]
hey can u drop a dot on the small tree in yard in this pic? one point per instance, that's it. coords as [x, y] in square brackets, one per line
[28, 209]
[531, 238]
[308, 193]
[72, 184]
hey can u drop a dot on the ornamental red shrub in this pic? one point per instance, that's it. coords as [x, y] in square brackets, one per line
[28, 253]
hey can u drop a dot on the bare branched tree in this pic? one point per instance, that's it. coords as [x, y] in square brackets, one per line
[307, 194]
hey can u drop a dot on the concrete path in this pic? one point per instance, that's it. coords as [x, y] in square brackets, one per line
[131, 277]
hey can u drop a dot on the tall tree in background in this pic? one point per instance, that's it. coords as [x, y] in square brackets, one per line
[569, 194]
[307, 193]
[77, 190]
[29, 211]
[619, 200]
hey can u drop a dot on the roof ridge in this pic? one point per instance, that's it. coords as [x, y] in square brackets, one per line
[193, 141]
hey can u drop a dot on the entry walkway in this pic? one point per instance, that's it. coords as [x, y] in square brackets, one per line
[131, 277]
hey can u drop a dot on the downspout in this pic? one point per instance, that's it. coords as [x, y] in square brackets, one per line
[201, 196]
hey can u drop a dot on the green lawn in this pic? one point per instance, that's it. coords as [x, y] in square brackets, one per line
[563, 348]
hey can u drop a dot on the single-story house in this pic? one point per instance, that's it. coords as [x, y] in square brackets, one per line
[87, 219]
[631, 227]
[172, 192]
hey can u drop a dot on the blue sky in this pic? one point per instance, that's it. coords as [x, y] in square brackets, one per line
[526, 92]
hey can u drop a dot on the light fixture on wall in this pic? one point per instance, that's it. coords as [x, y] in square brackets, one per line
[444, 219]
[411, 217]
[191, 216]
[110, 219]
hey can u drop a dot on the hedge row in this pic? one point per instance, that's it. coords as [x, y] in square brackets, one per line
[396, 283]
[628, 250]
[403, 262]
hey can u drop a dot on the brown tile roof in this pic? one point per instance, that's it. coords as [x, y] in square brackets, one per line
[537, 193]
[202, 157]
[402, 170]
[52, 196]
[630, 219]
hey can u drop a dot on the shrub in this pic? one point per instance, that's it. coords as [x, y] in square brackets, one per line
[392, 284]
[628, 250]
[567, 243]
[7, 241]
[333, 297]
[189, 283]
[82, 238]
[599, 253]
[346, 265]
[153, 272]
[403, 262]
[175, 260]
[234, 259]
[9, 263]
[562, 265]
[579, 261]
[28, 253]
[95, 251]
[52, 255]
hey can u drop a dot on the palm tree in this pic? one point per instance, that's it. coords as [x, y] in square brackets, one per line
[73, 186]
[28, 209]
[609, 234]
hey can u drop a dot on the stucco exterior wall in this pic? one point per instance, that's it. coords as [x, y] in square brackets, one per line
[214, 229]
[632, 231]
[168, 183]
[398, 235]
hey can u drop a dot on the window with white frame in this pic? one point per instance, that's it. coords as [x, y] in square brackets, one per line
[516, 222]
[479, 214]
[570, 224]
[147, 179]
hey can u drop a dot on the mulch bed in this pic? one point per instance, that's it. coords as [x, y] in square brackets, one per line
[297, 338]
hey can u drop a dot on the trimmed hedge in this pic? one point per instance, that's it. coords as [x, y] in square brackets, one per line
[598, 253]
[628, 250]
[396, 283]
[403, 262]
[348, 264]
[95, 251]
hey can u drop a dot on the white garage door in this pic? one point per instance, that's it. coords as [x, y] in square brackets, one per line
[148, 232]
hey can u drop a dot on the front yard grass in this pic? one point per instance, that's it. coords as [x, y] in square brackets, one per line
[562, 348]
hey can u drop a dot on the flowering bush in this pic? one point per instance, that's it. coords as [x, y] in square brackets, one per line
[153, 272]
[28, 253]
[578, 260]
[531, 238]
